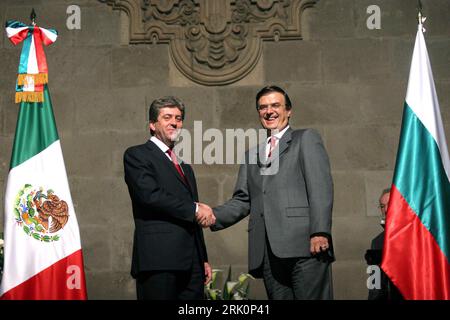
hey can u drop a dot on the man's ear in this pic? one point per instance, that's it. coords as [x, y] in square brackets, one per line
[151, 126]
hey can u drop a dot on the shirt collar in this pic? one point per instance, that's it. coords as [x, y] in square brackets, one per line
[279, 134]
[160, 144]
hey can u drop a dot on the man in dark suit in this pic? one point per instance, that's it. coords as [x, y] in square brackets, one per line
[169, 254]
[288, 192]
[387, 290]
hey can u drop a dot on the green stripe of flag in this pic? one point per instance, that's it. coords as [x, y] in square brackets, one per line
[421, 179]
[35, 130]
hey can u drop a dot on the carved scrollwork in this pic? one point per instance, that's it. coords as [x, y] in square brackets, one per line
[213, 42]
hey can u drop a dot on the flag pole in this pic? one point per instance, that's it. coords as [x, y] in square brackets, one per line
[33, 17]
[420, 17]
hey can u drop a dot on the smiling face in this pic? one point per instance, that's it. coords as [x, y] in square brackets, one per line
[272, 111]
[168, 125]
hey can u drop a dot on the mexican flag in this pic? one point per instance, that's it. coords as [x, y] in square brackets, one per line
[416, 254]
[43, 257]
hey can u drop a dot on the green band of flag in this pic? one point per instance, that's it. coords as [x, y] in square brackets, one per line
[421, 179]
[35, 131]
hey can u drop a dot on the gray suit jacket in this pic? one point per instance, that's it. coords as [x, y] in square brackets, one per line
[291, 204]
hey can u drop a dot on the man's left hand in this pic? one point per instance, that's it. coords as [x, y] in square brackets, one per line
[208, 273]
[319, 244]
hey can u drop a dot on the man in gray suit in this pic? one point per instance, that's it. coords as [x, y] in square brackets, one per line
[290, 208]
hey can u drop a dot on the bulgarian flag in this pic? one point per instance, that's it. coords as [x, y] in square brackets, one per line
[416, 251]
[42, 248]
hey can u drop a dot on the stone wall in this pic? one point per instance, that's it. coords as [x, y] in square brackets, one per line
[345, 80]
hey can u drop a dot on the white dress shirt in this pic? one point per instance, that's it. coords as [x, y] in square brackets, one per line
[277, 136]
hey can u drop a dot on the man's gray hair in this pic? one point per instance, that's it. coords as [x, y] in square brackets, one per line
[164, 102]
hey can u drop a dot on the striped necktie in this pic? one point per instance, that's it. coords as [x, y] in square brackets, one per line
[273, 143]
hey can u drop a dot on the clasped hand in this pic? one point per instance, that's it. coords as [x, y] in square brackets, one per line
[205, 216]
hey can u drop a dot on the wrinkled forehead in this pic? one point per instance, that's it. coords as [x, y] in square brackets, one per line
[170, 110]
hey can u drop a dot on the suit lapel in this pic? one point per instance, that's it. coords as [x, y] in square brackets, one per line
[158, 152]
[281, 148]
[189, 179]
[283, 144]
[261, 155]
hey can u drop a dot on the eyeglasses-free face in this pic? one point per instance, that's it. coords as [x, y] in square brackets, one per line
[168, 126]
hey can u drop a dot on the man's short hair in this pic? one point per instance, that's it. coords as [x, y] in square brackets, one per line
[164, 102]
[269, 89]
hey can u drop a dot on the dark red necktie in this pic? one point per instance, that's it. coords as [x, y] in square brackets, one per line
[177, 165]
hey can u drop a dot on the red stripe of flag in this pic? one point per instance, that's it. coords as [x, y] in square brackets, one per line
[64, 280]
[416, 263]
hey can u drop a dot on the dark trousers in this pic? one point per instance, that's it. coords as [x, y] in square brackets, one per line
[296, 278]
[173, 285]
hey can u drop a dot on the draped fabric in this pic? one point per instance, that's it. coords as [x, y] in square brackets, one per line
[33, 70]
[416, 252]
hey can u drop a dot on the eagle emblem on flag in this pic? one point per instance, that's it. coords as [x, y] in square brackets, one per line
[40, 214]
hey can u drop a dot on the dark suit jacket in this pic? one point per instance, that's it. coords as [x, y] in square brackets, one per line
[290, 204]
[388, 290]
[163, 210]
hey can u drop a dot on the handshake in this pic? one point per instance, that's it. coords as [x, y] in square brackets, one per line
[205, 216]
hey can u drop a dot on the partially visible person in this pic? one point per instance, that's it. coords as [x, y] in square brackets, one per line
[169, 254]
[387, 290]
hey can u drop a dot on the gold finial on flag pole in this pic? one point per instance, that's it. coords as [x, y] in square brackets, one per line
[33, 17]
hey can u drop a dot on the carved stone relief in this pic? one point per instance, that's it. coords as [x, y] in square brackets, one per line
[213, 42]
